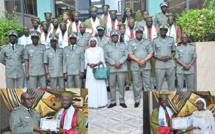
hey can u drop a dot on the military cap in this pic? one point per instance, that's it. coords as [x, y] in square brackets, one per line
[54, 19]
[122, 25]
[35, 19]
[75, 13]
[163, 4]
[62, 22]
[171, 16]
[100, 27]
[53, 37]
[131, 19]
[44, 23]
[35, 33]
[114, 32]
[93, 8]
[163, 95]
[148, 18]
[127, 8]
[139, 28]
[12, 32]
[65, 12]
[107, 6]
[164, 26]
[113, 11]
[67, 93]
[73, 35]
[48, 13]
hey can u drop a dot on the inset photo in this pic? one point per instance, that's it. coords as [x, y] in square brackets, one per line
[39, 111]
[180, 113]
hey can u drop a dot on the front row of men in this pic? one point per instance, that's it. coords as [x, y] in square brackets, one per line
[68, 63]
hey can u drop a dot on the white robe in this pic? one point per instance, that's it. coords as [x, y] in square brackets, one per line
[63, 42]
[74, 27]
[22, 40]
[97, 92]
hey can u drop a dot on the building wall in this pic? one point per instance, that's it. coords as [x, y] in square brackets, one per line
[1, 6]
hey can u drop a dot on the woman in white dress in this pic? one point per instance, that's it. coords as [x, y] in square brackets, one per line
[97, 92]
[202, 120]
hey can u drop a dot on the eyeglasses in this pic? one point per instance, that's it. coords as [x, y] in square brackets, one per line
[199, 103]
[28, 98]
[66, 100]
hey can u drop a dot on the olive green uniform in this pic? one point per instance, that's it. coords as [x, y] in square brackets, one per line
[116, 53]
[54, 59]
[160, 18]
[102, 42]
[185, 55]
[164, 68]
[13, 59]
[73, 65]
[140, 75]
[23, 120]
[36, 69]
[83, 40]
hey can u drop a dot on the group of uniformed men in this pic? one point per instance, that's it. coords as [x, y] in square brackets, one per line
[54, 51]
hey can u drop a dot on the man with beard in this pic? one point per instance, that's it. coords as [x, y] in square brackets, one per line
[36, 23]
[56, 28]
[74, 26]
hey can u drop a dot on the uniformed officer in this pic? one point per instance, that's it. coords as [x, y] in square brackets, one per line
[24, 119]
[73, 62]
[53, 59]
[140, 51]
[83, 37]
[164, 50]
[185, 57]
[12, 57]
[143, 21]
[116, 54]
[102, 39]
[34, 62]
[161, 18]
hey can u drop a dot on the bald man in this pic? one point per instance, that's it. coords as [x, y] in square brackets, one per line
[83, 36]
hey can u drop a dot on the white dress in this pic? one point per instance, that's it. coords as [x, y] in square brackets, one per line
[97, 91]
[203, 123]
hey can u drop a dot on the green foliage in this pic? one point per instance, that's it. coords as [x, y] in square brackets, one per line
[209, 4]
[138, 16]
[8, 22]
[198, 24]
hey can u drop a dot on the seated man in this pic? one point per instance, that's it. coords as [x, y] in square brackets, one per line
[72, 121]
[161, 117]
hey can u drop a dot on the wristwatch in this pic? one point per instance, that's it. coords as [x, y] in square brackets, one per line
[189, 65]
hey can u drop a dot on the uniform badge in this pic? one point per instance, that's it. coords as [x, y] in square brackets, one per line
[162, 123]
[60, 44]
[48, 45]
[108, 30]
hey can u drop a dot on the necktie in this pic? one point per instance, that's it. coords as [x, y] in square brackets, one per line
[132, 34]
[29, 111]
[72, 47]
[13, 47]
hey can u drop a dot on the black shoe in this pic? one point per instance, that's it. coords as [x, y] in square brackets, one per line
[108, 89]
[136, 104]
[154, 87]
[111, 105]
[123, 105]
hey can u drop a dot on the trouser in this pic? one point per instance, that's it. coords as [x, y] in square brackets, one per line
[25, 81]
[57, 81]
[119, 78]
[33, 81]
[189, 79]
[128, 74]
[10, 82]
[169, 73]
[141, 79]
[74, 81]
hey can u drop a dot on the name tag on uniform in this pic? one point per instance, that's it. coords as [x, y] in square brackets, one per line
[26, 117]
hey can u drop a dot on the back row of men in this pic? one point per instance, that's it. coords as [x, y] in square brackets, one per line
[143, 41]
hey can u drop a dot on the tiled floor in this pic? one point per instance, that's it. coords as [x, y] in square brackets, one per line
[118, 120]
